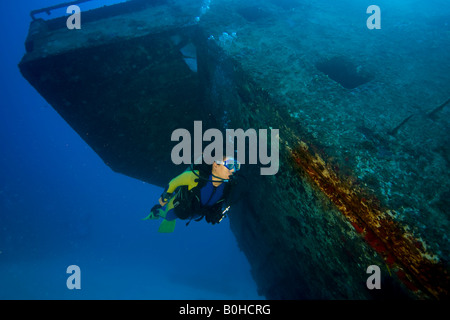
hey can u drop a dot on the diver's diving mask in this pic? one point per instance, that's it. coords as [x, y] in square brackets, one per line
[230, 164]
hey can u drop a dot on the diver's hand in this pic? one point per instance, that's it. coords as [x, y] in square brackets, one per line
[214, 217]
[161, 203]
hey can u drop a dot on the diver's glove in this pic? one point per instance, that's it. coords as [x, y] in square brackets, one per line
[166, 195]
[214, 217]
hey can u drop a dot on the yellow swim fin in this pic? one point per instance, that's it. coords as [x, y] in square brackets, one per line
[155, 213]
[167, 226]
[151, 216]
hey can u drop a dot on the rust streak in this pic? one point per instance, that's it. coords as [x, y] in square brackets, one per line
[418, 269]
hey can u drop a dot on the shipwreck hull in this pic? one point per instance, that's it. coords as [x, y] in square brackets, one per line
[363, 176]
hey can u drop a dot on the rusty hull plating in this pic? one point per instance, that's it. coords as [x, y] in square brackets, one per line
[419, 270]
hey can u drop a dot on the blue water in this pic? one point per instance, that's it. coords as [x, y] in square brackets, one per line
[60, 205]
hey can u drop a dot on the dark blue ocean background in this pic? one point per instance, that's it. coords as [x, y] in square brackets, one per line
[60, 205]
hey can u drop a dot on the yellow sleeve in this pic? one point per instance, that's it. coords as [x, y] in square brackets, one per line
[187, 178]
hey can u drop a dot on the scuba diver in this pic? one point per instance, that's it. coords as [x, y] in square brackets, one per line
[201, 191]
